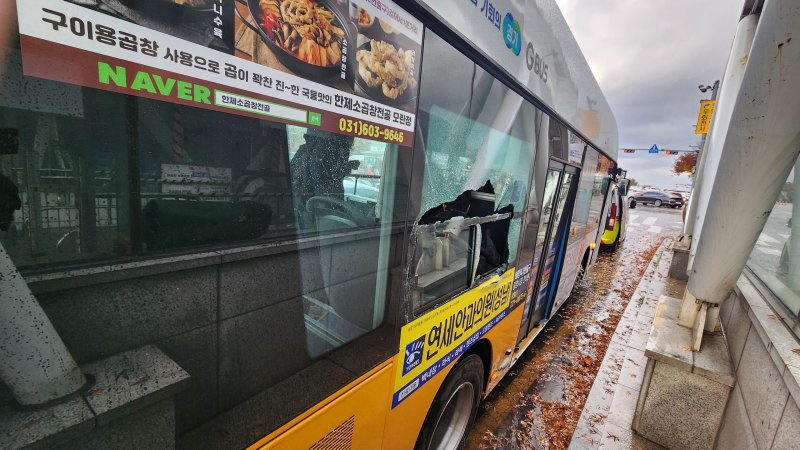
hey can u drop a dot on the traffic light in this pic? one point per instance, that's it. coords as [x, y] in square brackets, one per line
[670, 152]
[628, 150]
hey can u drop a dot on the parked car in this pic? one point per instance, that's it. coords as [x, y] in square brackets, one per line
[657, 198]
[359, 190]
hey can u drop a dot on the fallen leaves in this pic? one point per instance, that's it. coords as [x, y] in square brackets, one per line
[589, 323]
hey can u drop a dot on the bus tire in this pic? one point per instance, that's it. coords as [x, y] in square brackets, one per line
[454, 408]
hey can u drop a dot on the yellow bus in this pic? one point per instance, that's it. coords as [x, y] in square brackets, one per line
[345, 220]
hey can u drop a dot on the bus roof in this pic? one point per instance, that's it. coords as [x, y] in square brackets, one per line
[531, 42]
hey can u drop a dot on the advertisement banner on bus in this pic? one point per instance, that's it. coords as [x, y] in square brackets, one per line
[339, 66]
[440, 337]
[523, 283]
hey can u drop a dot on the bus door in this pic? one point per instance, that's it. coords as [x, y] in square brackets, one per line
[551, 241]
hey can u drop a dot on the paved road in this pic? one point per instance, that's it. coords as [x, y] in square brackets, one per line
[540, 402]
[650, 219]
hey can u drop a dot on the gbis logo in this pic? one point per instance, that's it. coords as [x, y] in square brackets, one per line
[512, 34]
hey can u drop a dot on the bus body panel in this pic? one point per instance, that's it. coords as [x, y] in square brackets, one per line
[357, 411]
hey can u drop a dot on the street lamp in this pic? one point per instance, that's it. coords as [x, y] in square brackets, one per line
[688, 226]
[703, 88]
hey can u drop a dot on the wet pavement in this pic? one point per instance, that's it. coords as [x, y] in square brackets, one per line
[539, 405]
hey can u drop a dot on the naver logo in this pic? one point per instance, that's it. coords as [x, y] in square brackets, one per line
[512, 34]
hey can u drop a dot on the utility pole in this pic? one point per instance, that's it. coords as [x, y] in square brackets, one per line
[688, 226]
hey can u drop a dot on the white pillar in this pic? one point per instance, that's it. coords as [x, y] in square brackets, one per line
[760, 146]
[714, 142]
[34, 363]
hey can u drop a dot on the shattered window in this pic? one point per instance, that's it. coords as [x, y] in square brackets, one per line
[479, 141]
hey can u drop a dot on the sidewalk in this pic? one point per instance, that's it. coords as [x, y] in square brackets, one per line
[608, 413]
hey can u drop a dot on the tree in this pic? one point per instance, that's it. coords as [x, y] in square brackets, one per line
[632, 182]
[685, 163]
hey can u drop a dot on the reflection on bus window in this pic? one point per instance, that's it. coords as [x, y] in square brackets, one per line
[271, 181]
[117, 178]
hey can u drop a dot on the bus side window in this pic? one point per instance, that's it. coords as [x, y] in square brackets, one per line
[477, 139]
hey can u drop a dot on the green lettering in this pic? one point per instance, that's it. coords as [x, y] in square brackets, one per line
[164, 87]
[143, 81]
[106, 74]
[202, 94]
[184, 90]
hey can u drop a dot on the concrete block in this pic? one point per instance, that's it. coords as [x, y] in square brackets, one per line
[713, 360]
[679, 263]
[736, 330]
[149, 428]
[774, 335]
[43, 427]
[585, 437]
[788, 434]
[668, 307]
[670, 343]
[96, 322]
[791, 378]
[763, 390]
[131, 381]
[681, 410]
[616, 437]
[632, 373]
[253, 284]
[638, 340]
[735, 430]
[623, 407]
[640, 443]
[725, 309]
[196, 352]
[259, 349]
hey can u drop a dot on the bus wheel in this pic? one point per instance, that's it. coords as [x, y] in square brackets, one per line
[453, 411]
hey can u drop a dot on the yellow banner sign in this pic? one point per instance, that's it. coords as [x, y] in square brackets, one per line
[704, 116]
[431, 342]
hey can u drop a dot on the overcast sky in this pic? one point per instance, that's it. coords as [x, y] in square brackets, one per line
[649, 56]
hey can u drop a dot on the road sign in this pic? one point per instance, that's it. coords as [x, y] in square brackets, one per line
[653, 149]
[704, 116]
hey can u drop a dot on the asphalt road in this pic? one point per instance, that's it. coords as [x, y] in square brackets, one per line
[655, 220]
[538, 404]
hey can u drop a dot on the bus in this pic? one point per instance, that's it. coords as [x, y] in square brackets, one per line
[344, 220]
